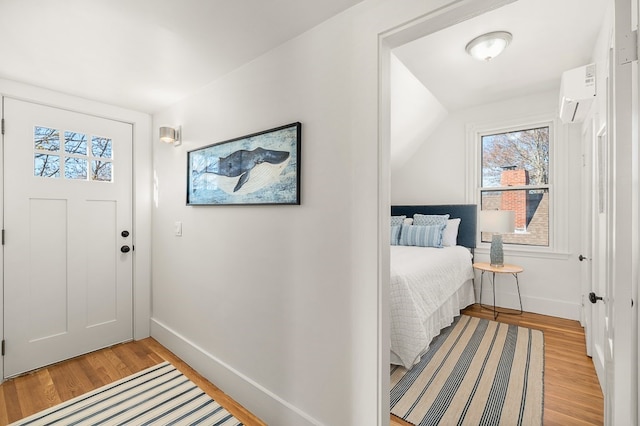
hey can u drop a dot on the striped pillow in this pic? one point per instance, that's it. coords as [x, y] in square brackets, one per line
[395, 235]
[430, 219]
[421, 236]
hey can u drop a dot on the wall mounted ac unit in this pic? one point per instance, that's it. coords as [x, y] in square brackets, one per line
[577, 92]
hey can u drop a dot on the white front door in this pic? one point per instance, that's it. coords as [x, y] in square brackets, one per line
[67, 223]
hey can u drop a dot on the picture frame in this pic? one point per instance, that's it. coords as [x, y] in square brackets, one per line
[257, 169]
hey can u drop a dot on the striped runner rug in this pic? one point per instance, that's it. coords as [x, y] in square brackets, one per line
[476, 372]
[159, 395]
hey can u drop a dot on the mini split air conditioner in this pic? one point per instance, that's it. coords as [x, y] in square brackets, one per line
[577, 92]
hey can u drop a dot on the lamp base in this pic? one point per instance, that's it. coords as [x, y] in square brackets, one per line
[497, 253]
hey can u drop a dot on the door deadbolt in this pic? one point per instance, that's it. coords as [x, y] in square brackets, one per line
[124, 234]
[593, 298]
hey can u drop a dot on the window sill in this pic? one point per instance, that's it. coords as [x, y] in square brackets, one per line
[542, 253]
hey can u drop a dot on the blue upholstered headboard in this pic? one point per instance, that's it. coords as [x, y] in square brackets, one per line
[466, 212]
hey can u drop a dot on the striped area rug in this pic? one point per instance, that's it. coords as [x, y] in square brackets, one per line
[159, 395]
[476, 372]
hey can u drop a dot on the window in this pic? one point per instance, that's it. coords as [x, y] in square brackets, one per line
[75, 153]
[515, 176]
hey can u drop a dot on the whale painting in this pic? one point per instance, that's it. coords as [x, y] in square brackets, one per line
[261, 168]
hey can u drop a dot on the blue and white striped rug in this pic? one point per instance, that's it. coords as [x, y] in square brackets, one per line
[159, 395]
[476, 372]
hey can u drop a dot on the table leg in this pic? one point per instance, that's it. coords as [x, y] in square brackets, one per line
[493, 284]
[518, 287]
[481, 280]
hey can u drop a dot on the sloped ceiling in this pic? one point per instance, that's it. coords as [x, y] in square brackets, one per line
[549, 37]
[144, 54]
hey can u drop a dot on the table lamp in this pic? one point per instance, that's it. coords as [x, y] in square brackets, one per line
[497, 222]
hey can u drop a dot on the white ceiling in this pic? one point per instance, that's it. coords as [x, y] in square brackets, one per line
[549, 37]
[144, 54]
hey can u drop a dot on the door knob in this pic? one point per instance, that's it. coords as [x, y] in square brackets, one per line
[125, 249]
[593, 298]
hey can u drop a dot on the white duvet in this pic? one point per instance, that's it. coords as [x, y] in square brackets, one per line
[423, 279]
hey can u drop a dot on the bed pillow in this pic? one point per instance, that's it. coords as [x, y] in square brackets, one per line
[395, 235]
[430, 219]
[397, 220]
[450, 233]
[421, 236]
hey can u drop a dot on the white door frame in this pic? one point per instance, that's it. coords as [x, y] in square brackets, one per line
[142, 189]
[620, 404]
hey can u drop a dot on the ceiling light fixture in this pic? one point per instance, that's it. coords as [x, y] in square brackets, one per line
[488, 46]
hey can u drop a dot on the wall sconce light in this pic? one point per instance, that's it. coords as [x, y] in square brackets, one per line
[171, 135]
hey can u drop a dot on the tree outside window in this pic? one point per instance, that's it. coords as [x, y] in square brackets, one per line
[515, 176]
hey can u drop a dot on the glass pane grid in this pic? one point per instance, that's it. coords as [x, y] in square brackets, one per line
[77, 153]
[515, 177]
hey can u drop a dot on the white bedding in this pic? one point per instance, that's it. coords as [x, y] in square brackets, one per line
[429, 286]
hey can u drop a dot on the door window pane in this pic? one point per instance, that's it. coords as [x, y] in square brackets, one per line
[46, 165]
[46, 139]
[75, 143]
[101, 171]
[101, 147]
[75, 168]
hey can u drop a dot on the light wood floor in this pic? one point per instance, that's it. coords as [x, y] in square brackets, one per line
[572, 394]
[44, 388]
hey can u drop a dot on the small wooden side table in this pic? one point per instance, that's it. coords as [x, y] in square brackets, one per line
[506, 269]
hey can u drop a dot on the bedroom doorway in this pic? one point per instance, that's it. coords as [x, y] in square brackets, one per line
[68, 257]
[420, 27]
[450, 16]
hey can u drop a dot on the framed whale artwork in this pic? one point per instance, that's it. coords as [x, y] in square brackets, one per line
[261, 168]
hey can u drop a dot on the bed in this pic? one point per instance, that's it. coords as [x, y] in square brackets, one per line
[429, 286]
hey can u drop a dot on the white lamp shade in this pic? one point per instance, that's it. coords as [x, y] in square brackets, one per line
[497, 221]
[488, 46]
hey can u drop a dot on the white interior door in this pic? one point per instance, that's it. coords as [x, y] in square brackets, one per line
[600, 249]
[68, 215]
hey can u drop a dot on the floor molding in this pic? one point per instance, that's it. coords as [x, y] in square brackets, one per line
[255, 397]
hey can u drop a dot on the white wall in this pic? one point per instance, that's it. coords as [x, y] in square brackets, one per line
[437, 174]
[415, 113]
[279, 306]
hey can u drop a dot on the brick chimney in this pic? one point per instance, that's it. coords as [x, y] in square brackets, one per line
[515, 200]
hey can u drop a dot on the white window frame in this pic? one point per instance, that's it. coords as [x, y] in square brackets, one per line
[557, 185]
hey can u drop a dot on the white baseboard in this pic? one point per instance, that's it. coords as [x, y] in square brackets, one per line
[263, 403]
[537, 305]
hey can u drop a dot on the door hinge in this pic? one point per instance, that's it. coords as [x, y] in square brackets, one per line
[3, 347]
[3, 237]
[628, 48]
[2, 126]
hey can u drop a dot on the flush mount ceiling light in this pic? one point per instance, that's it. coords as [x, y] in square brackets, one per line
[488, 46]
